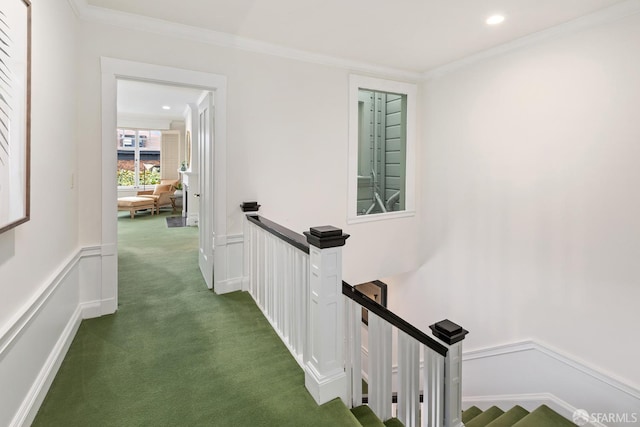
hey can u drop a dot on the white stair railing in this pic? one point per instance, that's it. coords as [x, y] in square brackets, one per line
[296, 281]
[441, 403]
[278, 270]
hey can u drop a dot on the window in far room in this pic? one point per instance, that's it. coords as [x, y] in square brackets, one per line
[139, 154]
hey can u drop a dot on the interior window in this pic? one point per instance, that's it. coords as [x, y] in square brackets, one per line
[381, 142]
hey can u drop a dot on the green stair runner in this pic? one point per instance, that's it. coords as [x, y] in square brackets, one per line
[367, 418]
[510, 417]
[481, 420]
[517, 416]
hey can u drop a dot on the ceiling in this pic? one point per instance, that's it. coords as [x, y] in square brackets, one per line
[411, 35]
[141, 99]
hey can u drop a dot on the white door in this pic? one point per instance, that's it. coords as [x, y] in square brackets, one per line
[205, 178]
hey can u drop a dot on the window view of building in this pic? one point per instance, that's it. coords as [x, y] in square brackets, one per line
[138, 157]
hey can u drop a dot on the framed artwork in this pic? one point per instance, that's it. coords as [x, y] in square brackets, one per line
[15, 111]
[376, 291]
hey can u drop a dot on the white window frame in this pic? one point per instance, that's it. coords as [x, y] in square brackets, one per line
[137, 185]
[357, 82]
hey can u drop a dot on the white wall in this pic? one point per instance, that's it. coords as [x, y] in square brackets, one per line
[530, 177]
[33, 254]
[33, 251]
[287, 140]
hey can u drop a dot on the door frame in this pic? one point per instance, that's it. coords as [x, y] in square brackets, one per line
[112, 70]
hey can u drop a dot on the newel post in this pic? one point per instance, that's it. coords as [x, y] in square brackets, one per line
[452, 335]
[247, 242]
[325, 378]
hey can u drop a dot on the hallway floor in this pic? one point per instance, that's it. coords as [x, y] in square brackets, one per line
[177, 354]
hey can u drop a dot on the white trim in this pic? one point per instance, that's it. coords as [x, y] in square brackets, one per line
[555, 354]
[357, 82]
[87, 12]
[381, 216]
[601, 17]
[91, 13]
[234, 239]
[112, 70]
[229, 285]
[31, 404]
[45, 306]
[18, 324]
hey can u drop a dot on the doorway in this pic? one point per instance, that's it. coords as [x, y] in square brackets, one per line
[112, 70]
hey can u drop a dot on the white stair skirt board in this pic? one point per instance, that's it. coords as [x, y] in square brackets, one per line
[503, 376]
[35, 343]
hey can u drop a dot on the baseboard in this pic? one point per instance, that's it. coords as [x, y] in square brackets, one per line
[34, 342]
[226, 286]
[91, 309]
[31, 404]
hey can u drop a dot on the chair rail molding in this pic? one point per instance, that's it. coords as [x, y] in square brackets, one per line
[35, 341]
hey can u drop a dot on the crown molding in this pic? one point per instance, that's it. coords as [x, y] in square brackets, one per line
[90, 13]
[601, 17]
[87, 12]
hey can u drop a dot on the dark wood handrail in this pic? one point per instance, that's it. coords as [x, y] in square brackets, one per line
[283, 233]
[395, 320]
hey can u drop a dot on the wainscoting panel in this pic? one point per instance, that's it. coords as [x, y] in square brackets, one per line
[34, 345]
[231, 249]
[527, 373]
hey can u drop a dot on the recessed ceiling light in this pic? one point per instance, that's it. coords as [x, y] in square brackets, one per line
[166, 107]
[495, 19]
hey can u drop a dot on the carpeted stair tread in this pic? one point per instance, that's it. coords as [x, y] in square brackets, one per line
[510, 417]
[393, 422]
[485, 417]
[544, 416]
[470, 413]
[366, 417]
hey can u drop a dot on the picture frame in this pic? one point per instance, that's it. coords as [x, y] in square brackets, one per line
[15, 113]
[376, 291]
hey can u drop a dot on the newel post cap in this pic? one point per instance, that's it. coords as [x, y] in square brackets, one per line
[326, 236]
[249, 206]
[448, 332]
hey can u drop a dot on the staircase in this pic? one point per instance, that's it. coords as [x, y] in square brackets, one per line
[517, 416]
[367, 418]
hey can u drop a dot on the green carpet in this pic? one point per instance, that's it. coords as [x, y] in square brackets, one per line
[517, 416]
[175, 353]
[366, 417]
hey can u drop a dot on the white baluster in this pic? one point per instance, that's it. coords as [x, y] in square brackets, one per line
[380, 366]
[254, 261]
[354, 351]
[433, 404]
[408, 380]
